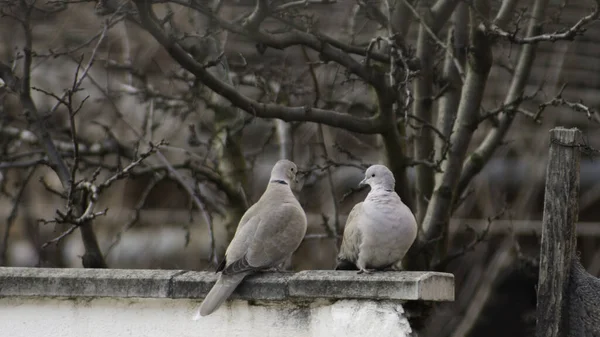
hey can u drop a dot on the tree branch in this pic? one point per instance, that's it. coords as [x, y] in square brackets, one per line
[13, 215]
[435, 224]
[565, 34]
[485, 150]
[422, 109]
[263, 110]
[93, 256]
[458, 37]
[507, 9]
[579, 106]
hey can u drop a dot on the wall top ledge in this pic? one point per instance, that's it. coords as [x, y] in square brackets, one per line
[309, 284]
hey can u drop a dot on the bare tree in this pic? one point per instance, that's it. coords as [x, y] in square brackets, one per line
[404, 78]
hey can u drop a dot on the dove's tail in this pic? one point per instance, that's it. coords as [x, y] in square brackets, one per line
[222, 289]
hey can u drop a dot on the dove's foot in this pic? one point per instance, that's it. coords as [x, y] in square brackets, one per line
[275, 270]
[278, 269]
[365, 271]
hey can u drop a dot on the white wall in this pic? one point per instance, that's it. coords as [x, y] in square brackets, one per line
[149, 317]
[72, 302]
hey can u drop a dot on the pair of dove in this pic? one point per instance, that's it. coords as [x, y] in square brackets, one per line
[378, 233]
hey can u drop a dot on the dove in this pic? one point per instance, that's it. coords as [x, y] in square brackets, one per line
[266, 236]
[379, 230]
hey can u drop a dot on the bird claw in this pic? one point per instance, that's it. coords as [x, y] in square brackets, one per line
[365, 271]
[278, 269]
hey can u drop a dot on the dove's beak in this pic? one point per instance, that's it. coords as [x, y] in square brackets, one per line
[363, 183]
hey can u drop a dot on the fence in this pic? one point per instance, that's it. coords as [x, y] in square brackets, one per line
[568, 298]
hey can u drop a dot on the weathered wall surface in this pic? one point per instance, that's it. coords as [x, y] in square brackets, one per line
[149, 317]
[80, 302]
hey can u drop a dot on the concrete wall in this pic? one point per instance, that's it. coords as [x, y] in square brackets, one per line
[84, 302]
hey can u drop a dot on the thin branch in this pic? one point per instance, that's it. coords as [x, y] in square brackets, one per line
[199, 204]
[558, 100]
[63, 235]
[126, 171]
[502, 259]
[77, 82]
[432, 26]
[16, 202]
[260, 13]
[479, 238]
[507, 9]
[24, 163]
[484, 151]
[435, 224]
[301, 3]
[423, 104]
[266, 110]
[137, 211]
[508, 107]
[30, 111]
[564, 34]
[448, 105]
[84, 220]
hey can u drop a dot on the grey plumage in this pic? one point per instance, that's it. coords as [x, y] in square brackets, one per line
[380, 230]
[267, 235]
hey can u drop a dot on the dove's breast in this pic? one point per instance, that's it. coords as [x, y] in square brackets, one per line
[389, 229]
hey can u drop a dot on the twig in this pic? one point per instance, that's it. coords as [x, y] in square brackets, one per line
[558, 100]
[565, 34]
[13, 215]
[137, 211]
[437, 40]
[508, 107]
[77, 82]
[268, 110]
[503, 258]
[126, 171]
[200, 204]
[479, 237]
[57, 239]
[352, 191]
[301, 3]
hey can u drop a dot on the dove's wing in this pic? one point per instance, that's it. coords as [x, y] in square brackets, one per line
[241, 239]
[351, 242]
[228, 280]
[268, 233]
[278, 235]
[238, 246]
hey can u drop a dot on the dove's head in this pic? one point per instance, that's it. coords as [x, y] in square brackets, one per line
[284, 170]
[379, 176]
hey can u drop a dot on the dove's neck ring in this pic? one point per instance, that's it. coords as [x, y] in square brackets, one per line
[378, 187]
[279, 181]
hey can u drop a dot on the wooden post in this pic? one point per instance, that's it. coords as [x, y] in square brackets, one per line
[561, 208]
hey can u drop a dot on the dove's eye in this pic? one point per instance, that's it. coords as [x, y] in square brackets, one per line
[292, 169]
[372, 175]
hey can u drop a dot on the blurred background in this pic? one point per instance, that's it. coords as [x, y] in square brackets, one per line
[96, 70]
